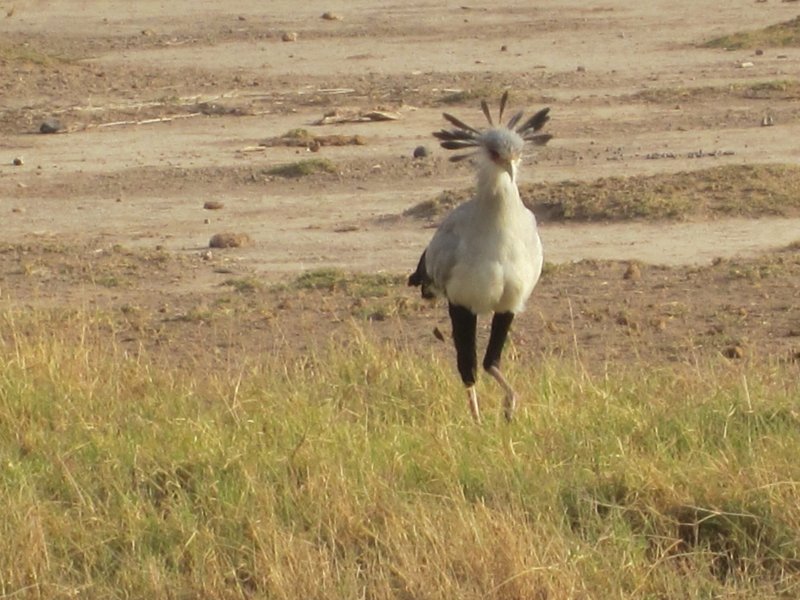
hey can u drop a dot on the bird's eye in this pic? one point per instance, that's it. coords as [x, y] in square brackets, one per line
[494, 155]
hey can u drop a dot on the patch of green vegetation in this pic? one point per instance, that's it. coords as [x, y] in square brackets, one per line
[776, 88]
[26, 54]
[357, 284]
[298, 134]
[244, 285]
[303, 168]
[779, 35]
[108, 280]
[731, 190]
[430, 209]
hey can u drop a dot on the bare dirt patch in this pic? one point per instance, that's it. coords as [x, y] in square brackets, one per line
[688, 149]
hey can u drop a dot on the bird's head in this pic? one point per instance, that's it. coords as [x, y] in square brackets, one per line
[502, 148]
[501, 145]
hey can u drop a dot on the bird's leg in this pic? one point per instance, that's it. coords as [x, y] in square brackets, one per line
[464, 324]
[501, 323]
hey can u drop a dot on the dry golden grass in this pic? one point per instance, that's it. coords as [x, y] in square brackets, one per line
[355, 472]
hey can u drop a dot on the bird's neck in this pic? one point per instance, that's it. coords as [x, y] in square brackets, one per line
[497, 193]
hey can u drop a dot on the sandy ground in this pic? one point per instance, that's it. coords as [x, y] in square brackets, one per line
[164, 105]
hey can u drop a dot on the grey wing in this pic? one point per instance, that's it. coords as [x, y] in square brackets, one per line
[442, 253]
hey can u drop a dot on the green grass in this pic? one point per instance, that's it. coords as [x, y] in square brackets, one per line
[355, 471]
[303, 168]
[780, 35]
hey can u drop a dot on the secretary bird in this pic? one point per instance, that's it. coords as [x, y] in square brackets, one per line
[486, 256]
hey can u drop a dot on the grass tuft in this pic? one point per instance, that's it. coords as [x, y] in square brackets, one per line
[303, 168]
[780, 35]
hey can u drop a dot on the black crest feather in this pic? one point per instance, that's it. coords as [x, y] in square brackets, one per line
[466, 136]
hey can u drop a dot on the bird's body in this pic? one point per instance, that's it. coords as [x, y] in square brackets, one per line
[486, 256]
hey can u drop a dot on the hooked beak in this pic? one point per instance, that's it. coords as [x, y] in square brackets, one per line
[510, 169]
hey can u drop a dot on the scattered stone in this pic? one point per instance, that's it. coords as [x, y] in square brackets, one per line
[733, 352]
[242, 18]
[230, 240]
[759, 52]
[18, 162]
[746, 64]
[50, 126]
[17, 210]
[503, 48]
[289, 36]
[633, 272]
[213, 205]
[420, 152]
[206, 255]
[329, 16]
[767, 121]
[581, 69]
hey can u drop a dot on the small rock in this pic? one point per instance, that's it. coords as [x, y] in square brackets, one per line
[437, 333]
[50, 126]
[746, 64]
[420, 152]
[329, 16]
[17, 210]
[242, 18]
[503, 48]
[767, 121]
[581, 69]
[207, 255]
[759, 52]
[289, 36]
[213, 205]
[633, 272]
[230, 240]
[733, 352]
[18, 162]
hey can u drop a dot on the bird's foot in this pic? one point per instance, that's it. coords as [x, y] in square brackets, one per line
[472, 398]
[510, 402]
[510, 405]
